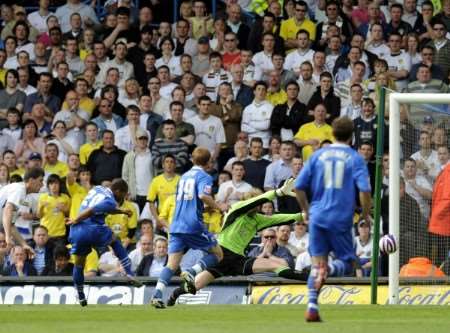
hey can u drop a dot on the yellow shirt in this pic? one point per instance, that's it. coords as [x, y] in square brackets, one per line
[91, 264]
[275, 98]
[60, 168]
[289, 28]
[121, 223]
[161, 188]
[18, 171]
[197, 24]
[52, 217]
[312, 131]
[87, 149]
[84, 53]
[2, 75]
[212, 218]
[86, 104]
[77, 194]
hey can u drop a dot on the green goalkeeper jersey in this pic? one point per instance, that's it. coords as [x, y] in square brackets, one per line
[241, 224]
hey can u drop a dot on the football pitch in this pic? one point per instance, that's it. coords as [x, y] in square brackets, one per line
[222, 318]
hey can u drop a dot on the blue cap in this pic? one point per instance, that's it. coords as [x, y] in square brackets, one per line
[35, 156]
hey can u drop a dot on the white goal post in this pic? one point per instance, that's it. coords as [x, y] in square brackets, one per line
[395, 99]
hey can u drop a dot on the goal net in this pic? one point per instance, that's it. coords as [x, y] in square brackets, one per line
[419, 132]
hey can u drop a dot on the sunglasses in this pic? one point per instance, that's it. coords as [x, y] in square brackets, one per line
[269, 237]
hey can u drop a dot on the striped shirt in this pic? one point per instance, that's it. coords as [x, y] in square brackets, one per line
[177, 148]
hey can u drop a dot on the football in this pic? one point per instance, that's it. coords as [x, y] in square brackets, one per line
[388, 244]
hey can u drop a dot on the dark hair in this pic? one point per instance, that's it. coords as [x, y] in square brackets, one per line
[203, 98]
[168, 122]
[238, 163]
[176, 103]
[106, 131]
[326, 74]
[292, 83]
[15, 178]
[14, 72]
[59, 122]
[31, 121]
[8, 151]
[302, 31]
[225, 172]
[53, 178]
[61, 252]
[123, 11]
[342, 128]
[118, 184]
[165, 39]
[396, 5]
[132, 108]
[13, 110]
[168, 156]
[33, 173]
[215, 55]
[256, 139]
[51, 144]
[365, 143]
[47, 74]
[109, 88]
[24, 24]
[260, 83]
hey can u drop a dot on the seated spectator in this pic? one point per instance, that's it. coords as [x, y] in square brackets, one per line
[234, 190]
[43, 258]
[417, 186]
[60, 264]
[270, 250]
[425, 83]
[299, 238]
[283, 235]
[19, 265]
[30, 141]
[152, 264]
[145, 248]
[125, 137]
[109, 265]
[364, 242]
[240, 154]
[170, 144]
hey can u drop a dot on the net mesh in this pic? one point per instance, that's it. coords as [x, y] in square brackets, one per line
[424, 142]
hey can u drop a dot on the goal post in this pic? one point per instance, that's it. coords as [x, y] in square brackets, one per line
[395, 101]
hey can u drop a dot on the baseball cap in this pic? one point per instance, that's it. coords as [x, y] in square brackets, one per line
[19, 9]
[141, 133]
[203, 40]
[35, 156]
[428, 119]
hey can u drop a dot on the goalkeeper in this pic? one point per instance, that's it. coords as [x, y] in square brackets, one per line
[240, 225]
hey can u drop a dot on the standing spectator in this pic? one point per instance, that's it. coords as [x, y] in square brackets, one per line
[287, 118]
[137, 169]
[290, 27]
[51, 163]
[107, 120]
[148, 119]
[301, 54]
[92, 142]
[427, 54]
[125, 137]
[281, 169]
[255, 166]
[426, 157]
[200, 61]
[201, 22]
[183, 43]
[275, 93]
[417, 186]
[30, 142]
[231, 54]
[235, 24]
[306, 83]
[166, 86]
[11, 96]
[209, 131]
[397, 25]
[288, 204]
[310, 135]
[278, 66]
[170, 144]
[234, 190]
[126, 70]
[167, 58]
[259, 29]
[64, 13]
[75, 28]
[263, 60]
[61, 84]
[243, 94]
[399, 61]
[354, 108]
[76, 65]
[376, 44]
[343, 89]
[43, 95]
[43, 259]
[325, 95]
[256, 116]
[365, 149]
[38, 18]
[161, 188]
[53, 209]
[108, 154]
[24, 77]
[184, 131]
[144, 51]
[215, 75]
[365, 126]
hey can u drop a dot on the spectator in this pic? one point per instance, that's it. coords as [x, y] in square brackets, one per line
[365, 126]
[53, 209]
[166, 86]
[287, 118]
[270, 250]
[38, 18]
[66, 144]
[286, 76]
[343, 89]
[248, 67]
[231, 54]
[13, 129]
[243, 94]
[167, 58]
[145, 249]
[51, 163]
[107, 120]
[301, 54]
[299, 238]
[325, 95]
[440, 45]
[283, 235]
[234, 190]
[43, 258]
[19, 266]
[61, 265]
[365, 149]
[425, 83]
[126, 136]
[108, 154]
[184, 131]
[255, 166]
[256, 116]
[200, 61]
[152, 264]
[162, 187]
[215, 76]
[109, 265]
[354, 108]
[426, 158]
[364, 245]
[333, 19]
[30, 142]
[201, 22]
[11, 96]
[417, 186]
[262, 60]
[258, 30]
[43, 95]
[209, 131]
[125, 68]
[289, 28]
[61, 84]
[64, 13]
[235, 24]
[275, 93]
[427, 54]
[124, 226]
[280, 169]
[146, 69]
[306, 83]
[288, 204]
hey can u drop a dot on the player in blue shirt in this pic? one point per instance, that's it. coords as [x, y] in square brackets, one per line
[187, 230]
[89, 230]
[331, 178]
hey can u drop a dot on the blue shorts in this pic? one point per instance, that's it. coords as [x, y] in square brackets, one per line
[84, 237]
[182, 242]
[322, 241]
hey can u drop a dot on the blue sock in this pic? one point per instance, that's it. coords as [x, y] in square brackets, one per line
[163, 282]
[78, 281]
[210, 260]
[313, 294]
[339, 268]
[122, 254]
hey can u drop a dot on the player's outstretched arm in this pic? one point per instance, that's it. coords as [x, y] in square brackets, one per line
[365, 199]
[264, 221]
[82, 216]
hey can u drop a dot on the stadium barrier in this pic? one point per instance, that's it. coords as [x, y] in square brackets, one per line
[254, 289]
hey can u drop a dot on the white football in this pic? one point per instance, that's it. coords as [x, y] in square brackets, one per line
[388, 244]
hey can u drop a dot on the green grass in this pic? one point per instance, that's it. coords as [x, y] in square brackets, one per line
[223, 319]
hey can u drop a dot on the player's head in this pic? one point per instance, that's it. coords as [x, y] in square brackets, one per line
[343, 129]
[201, 156]
[119, 188]
[34, 180]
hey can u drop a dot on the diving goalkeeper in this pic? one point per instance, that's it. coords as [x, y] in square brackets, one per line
[241, 223]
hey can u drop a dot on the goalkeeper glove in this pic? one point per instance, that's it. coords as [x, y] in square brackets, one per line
[287, 188]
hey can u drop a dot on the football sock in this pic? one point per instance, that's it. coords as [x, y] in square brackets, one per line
[122, 254]
[339, 268]
[210, 260]
[163, 282]
[78, 281]
[313, 293]
[289, 273]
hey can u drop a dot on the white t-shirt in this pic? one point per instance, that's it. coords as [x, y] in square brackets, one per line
[295, 59]
[241, 187]
[144, 173]
[423, 203]
[432, 163]
[364, 251]
[262, 62]
[123, 138]
[301, 244]
[173, 64]
[39, 22]
[399, 62]
[108, 258]
[208, 132]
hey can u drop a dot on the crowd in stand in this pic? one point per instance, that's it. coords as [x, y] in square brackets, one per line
[125, 95]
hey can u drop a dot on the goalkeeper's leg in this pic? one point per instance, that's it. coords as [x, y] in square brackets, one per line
[201, 281]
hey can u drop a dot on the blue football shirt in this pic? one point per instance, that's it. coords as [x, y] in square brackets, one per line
[102, 201]
[188, 217]
[331, 176]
